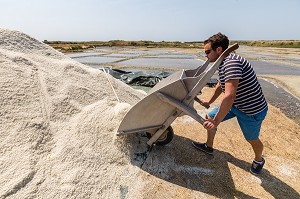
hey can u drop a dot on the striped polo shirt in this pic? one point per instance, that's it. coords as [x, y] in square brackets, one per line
[249, 96]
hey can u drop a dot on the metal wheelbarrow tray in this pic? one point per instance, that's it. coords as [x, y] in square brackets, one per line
[172, 97]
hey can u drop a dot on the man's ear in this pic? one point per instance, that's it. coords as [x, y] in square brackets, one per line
[219, 50]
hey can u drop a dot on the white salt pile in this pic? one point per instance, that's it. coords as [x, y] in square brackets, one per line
[58, 119]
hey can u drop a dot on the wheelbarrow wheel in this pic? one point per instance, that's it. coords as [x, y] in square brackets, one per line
[165, 138]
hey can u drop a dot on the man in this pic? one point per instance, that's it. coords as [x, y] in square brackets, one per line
[242, 98]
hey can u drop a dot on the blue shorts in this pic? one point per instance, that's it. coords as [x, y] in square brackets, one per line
[250, 124]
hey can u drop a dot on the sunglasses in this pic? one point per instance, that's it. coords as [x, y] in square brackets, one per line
[207, 51]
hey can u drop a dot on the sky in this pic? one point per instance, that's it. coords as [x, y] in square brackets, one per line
[152, 20]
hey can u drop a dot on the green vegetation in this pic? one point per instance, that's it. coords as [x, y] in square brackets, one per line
[71, 46]
[271, 43]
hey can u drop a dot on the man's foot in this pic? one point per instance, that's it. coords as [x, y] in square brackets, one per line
[203, 147]
[257, 166]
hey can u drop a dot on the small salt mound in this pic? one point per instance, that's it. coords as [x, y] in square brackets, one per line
[58, 119]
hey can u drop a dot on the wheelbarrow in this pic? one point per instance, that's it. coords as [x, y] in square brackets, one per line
[172, 97]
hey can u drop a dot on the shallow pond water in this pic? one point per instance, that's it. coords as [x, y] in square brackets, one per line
[84, 54]
[175, 56]
[163, 63]
[147, 52]
[264, 67]
[97, 59]
[121, 55]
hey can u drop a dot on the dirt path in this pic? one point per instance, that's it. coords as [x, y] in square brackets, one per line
[184, 172]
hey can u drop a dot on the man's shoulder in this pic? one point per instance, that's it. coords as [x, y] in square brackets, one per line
[234, 56]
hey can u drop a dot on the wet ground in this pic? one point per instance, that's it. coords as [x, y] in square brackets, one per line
[280, 98]
[270, 61]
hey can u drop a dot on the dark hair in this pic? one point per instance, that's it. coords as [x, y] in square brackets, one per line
[218, 40]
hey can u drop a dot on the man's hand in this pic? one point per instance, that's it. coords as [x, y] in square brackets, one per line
[205, 103]
[210, 124]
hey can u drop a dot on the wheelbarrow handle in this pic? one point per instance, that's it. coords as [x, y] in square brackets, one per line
[200, 102]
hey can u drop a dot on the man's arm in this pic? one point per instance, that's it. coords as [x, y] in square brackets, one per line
[216, 94]
[226, 103]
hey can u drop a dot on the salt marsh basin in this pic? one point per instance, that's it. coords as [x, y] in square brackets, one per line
[265, 61]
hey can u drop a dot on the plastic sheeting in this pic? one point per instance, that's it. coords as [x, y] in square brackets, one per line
[148, 78]
[138, 78]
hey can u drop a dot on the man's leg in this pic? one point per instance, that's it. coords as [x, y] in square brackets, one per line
[257, 147]
[259, 161]
[210, 136]
[251, 126]
[208, 146]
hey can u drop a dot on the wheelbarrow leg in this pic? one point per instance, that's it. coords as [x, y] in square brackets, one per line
[180, 107]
